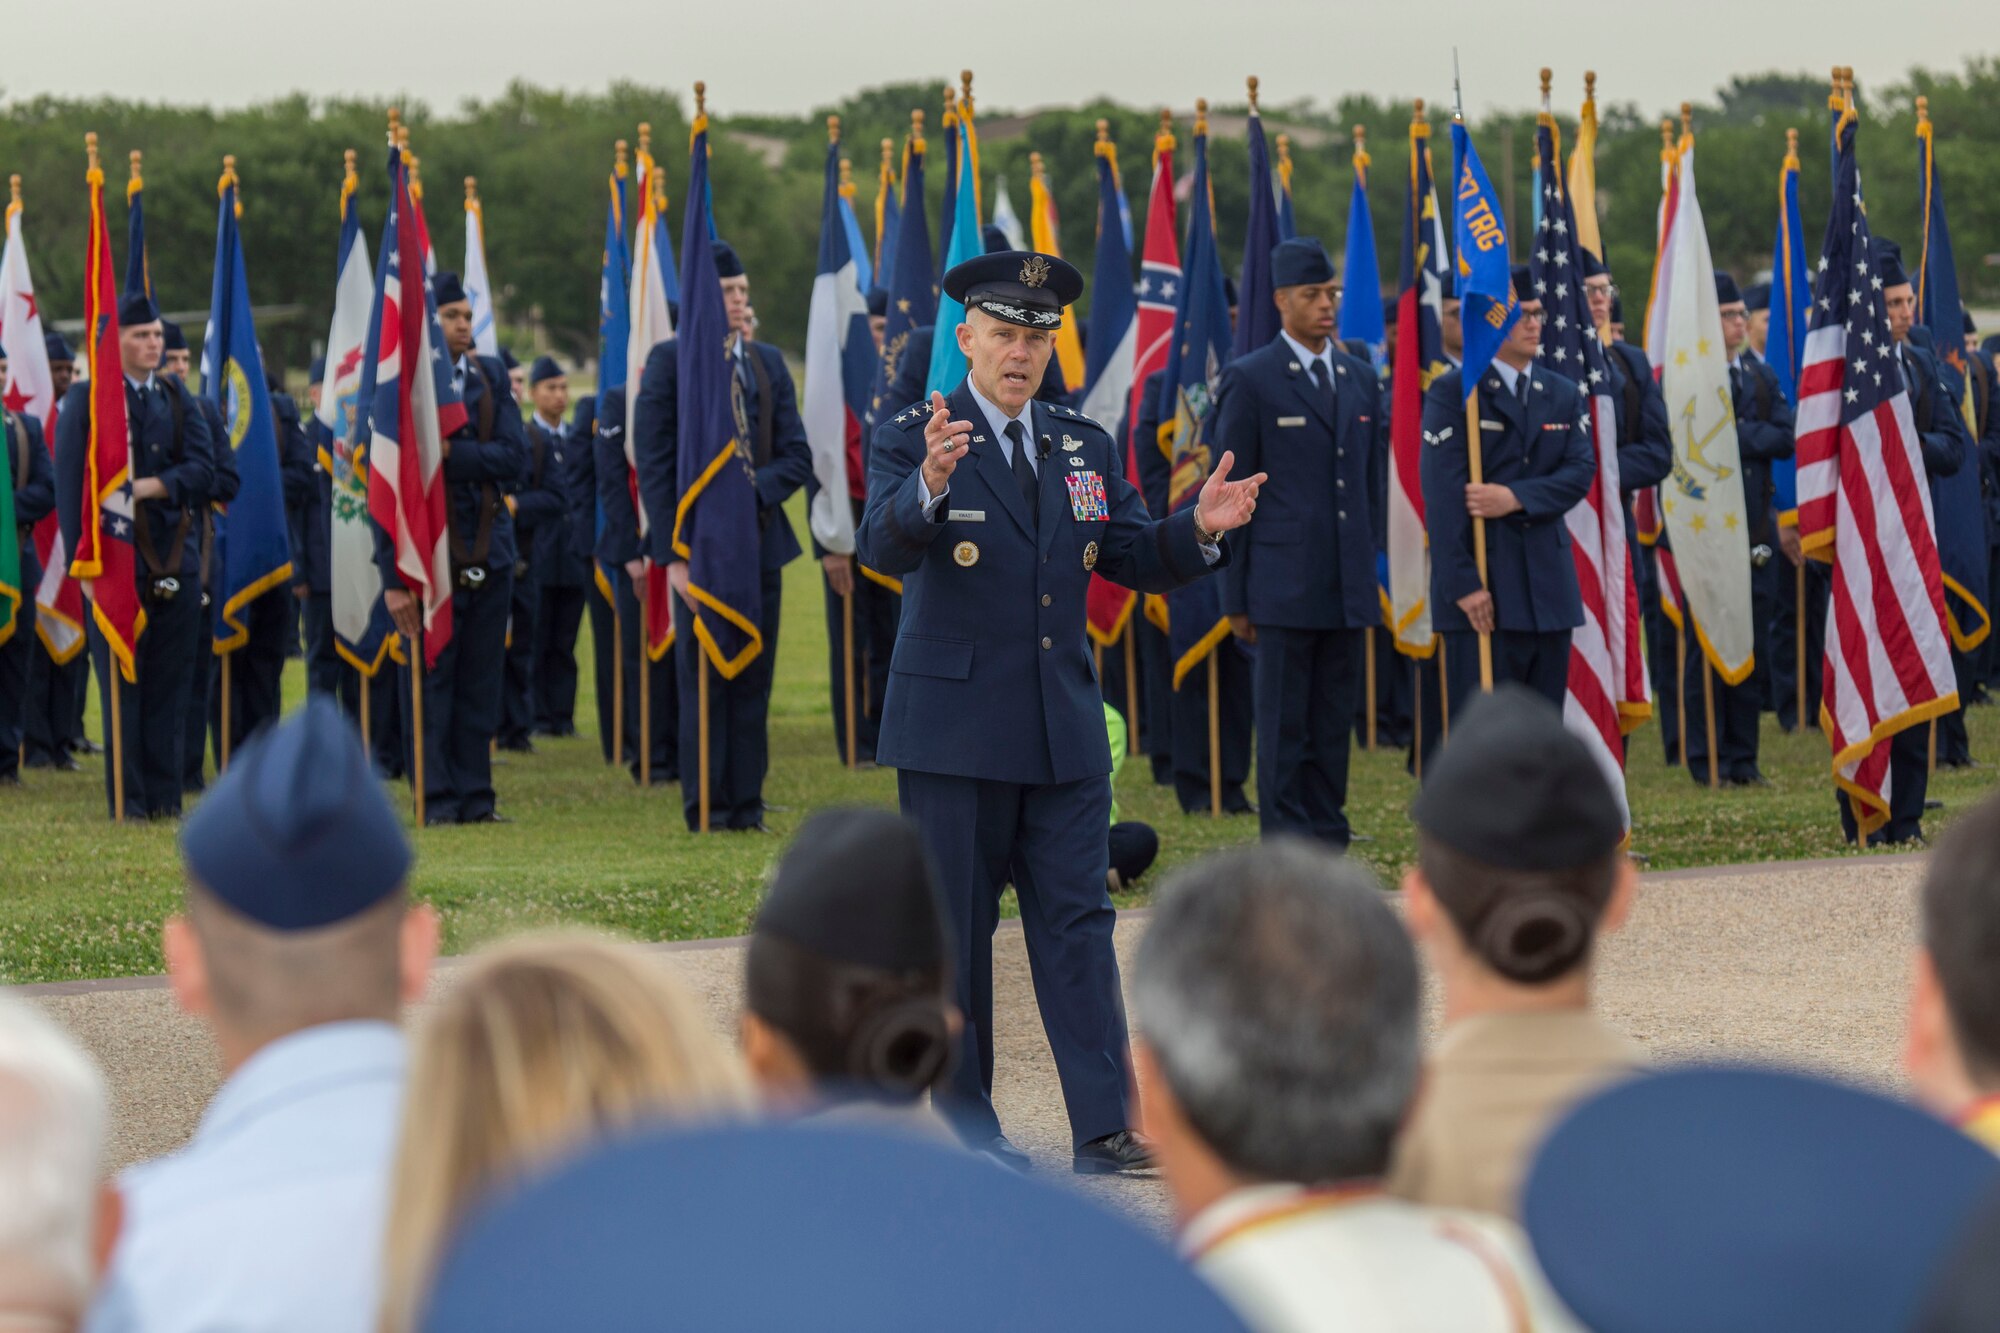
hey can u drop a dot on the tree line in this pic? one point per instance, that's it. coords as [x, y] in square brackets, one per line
[542, 159]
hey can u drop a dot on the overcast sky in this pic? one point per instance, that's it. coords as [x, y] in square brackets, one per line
[793, 55]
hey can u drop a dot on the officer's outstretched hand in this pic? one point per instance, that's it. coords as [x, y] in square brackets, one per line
[1224, 504]
[944, 445]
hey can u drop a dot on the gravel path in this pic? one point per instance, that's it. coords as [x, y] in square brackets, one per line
[1804, 963]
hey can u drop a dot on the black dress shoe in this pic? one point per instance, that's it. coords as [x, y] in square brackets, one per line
[1005, 1153]
[89, 746]
[1933, 803]
[439, 821]
[490, 817]
[771, 809]
[10, 779]
[517, 745]
[66, 763]
[39, 761]
[1114, 1154]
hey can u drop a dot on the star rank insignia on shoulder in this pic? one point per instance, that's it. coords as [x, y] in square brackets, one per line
[1062, 410]
[914, 412]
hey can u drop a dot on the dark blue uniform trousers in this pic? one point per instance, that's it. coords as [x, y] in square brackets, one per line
[1308, 683]
[739, 711]
[555, 658]
[517, 696]
[1538, 661]
[256, 675]
[1050, 842]
[1738, 708]
[1188, 707]
[1663, 658]
[1785, 641]
[326, 673]
[462, 704]
[876, 610]
[50, 719]
[201, 685]
[1428, 724]
[662, 675]
[152, 709]
[603, 654]
[15, 655]
[1909, 781]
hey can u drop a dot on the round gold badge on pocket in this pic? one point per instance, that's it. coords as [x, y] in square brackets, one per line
[966, 553]
[1090, 555]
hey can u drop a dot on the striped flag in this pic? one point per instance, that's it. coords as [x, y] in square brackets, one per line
[1791, 298]
[478, 286]
[1606, 692]
[1863, 502]
[1114, 335]
[1419, 359]
[413, 407]
[1044, 232]
[31, 389]
[838, 347]
[649, 323]
[106, 560]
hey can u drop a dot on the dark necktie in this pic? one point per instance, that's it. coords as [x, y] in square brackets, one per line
[1024, 471]
[1323, 384]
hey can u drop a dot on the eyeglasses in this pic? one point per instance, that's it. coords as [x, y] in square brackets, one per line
[1592, 287]
[1538, 315]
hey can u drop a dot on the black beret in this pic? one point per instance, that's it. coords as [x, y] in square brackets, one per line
[1757, 296]
[1017, 286]
[857, 887]
[545, 368]
[878, 301]
[1617, 310]
[1524, 283]
[1448, 285]
[727, 265]
[299, 833]
[57, 347]
[1726, 291]
[994, 240]
[1965, 314]
[136, 308]
[1889, 263]
[1229, 291]
[1299, 261]
[1390, 312]
[508, 359]
[172, 339]
[446, 288]
[1592, 265]
[1515, 788]
[316, 372]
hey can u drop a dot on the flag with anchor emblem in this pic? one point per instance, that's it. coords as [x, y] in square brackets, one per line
[1702, 498]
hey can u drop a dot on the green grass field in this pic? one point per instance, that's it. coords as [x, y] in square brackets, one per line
[83, 898]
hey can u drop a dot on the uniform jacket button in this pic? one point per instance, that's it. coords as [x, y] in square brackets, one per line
[1047, 642]
[1046, 599]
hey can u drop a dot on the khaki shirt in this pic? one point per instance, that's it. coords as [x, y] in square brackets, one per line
[1495, 1085]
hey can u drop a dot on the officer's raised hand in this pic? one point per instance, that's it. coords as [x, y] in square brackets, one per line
[944, 445]
[1224, 504]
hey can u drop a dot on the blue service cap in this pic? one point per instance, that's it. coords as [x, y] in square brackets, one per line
[171, 337]
[1726, 290]
[1524, 283]
[878, 301]
[316, 372]
[136, 308]
[727, 264]
[1298, 261]
[57, 347]
[1743, 1199]
[446, 289]
[1592, 265]
[1017, 286]
[508, 359]
[993, 240]
[1757, 296]
[545, 368]
[298, 833]
[762, 1227]
[1888, 257]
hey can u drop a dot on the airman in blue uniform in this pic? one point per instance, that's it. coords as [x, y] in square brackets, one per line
[739, 709]
[621, 552]
[561, 554]
[52, 726]
[33, 480]
[204, 710]
[462, 688]
[1537, 464]
[995, 509]
[172, 469]
[1302, 588]
[539, 503]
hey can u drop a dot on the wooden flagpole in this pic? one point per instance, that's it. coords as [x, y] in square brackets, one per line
[645, 708]
[1800, 635]
[847, 678]
[417, 722]
[367, 741]
[117, 743]
[1708, 711]
[701, 713]
[618, 679]
[1368, 647]
[1680, 686]
[1214, 735]
[1131, 682]
[1477, 469]
[222, 764]
[1417, 717]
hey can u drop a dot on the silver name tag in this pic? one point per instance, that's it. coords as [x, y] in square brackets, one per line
[1291, 421]
[966, 515]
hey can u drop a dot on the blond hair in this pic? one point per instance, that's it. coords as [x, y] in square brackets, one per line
[542, 1044]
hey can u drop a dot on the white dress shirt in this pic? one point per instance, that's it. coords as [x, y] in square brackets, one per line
[271, 1218]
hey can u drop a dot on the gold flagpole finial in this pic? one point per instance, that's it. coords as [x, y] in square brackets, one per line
[700, 99]
[1201, 116]
[645, 138]
[833, 129]
[1035, 169]
[965, 93]
[916, 130]
[1252, 83]
[846, 178]
[1361, 158]
[136, 156]
[1104, 131]
[1548, 81]
[1666, 137]
[1590, 85]
[1687, 117]
[1791, 143]
[950, 107]
[1417, 111]
[14, 189]
[1923, 111]
[889, 155]
[348, 158]
[90, 148]
[472, 191]
[395, 125]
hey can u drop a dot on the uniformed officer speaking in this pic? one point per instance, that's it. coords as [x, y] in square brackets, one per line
[995, 509]
[1302, 586]
[1537, 465]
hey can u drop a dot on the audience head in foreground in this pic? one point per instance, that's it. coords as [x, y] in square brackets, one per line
[848, 995]
[1951, 1048]
[1520, 869]
[1277, 998]
[57, 1220]
[543, 1045]
[741, 1229]
[1732, 1200]
[298, 947]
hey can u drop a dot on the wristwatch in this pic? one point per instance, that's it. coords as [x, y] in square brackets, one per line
[1202, 535]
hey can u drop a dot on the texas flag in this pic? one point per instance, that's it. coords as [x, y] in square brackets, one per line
[839, 355]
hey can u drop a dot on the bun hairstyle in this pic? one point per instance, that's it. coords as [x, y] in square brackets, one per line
[1532, 940]
[1529, 926]
[879, 1032]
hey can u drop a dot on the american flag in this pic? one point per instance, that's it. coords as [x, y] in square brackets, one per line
[1606, 694]
[1419, 360]
[1864, 503]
